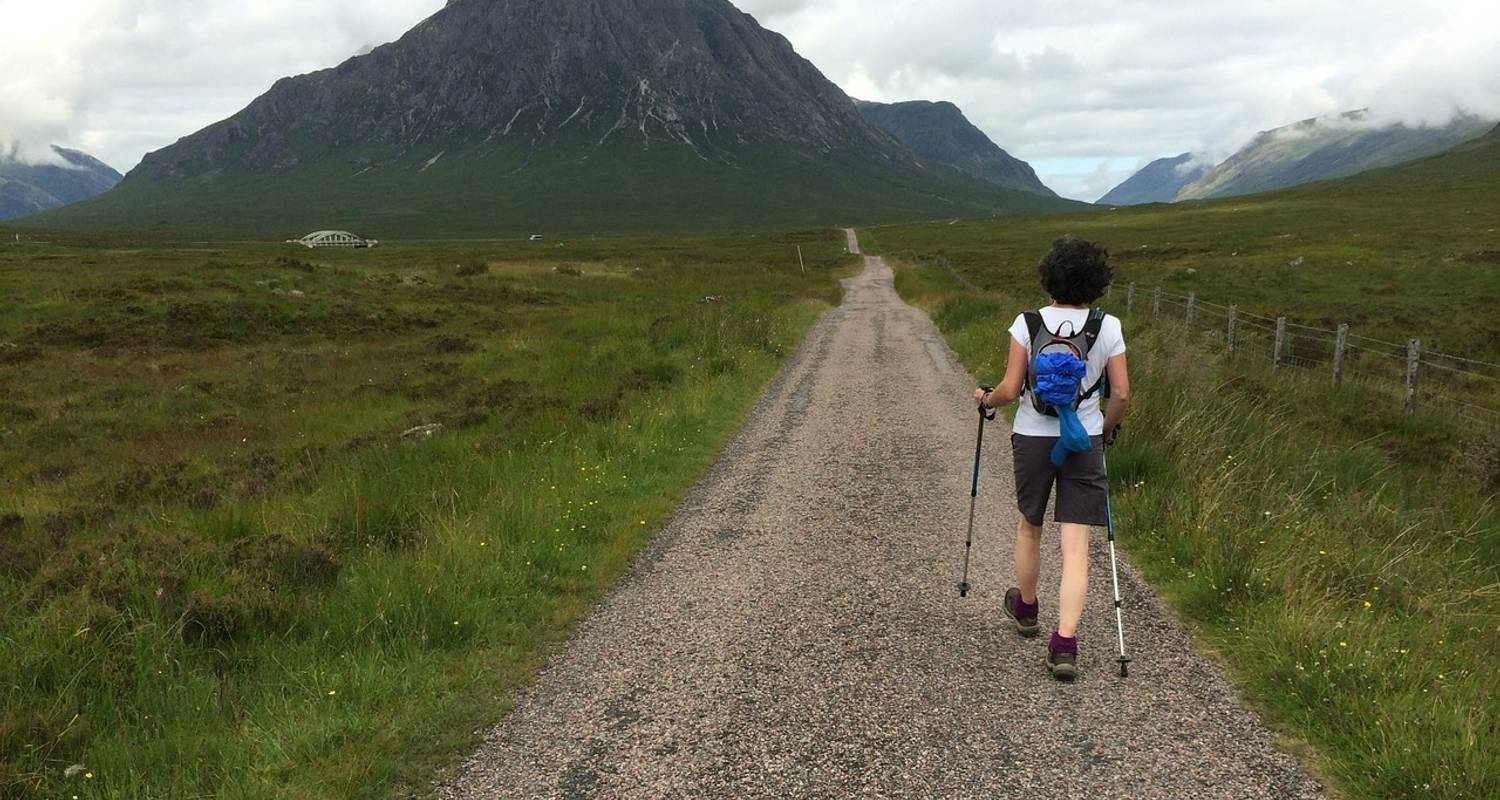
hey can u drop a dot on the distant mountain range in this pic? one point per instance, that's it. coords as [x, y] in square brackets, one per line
[521, 115]
[1315, 149]
[940, 132]
[1158, 182]
[27, 188]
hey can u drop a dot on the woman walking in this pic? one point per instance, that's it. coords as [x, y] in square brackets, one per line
[1075, 273]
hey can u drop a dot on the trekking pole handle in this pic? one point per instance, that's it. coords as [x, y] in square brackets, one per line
[1111, 437]
[987, 413]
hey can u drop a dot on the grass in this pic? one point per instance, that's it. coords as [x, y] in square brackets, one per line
[1343, 560]
[238, 562]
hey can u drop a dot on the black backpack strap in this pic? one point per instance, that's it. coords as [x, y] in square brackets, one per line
[1091, 331]
[1034, 325]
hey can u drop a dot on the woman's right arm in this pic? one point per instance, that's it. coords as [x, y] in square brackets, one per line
[1119, 395]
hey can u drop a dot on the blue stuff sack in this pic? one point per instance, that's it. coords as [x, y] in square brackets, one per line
[1059, 379]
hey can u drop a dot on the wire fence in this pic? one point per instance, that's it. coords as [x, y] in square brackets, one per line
[1408, 374]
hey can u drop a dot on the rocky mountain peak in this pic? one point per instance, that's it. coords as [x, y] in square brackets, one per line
[939, 131]
[698, 74]
[507, 115]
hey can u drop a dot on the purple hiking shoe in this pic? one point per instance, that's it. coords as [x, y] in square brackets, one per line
[1062, 657]
[1022, 612]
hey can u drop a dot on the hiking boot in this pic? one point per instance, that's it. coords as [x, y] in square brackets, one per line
[1022, 612]
[1062, 658]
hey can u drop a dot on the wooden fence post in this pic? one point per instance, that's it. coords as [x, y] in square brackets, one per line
[1130, 299]
[800, 262]
[1192, 308]
[1340, 345]
[1156, 302]
[1413, 359]
[1233, 314]
[1280, 342]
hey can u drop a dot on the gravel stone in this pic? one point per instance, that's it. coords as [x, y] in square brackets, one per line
[796, 630]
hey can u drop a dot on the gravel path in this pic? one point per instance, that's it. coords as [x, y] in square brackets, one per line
[796, 631]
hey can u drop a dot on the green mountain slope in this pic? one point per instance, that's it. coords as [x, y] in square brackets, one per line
[940, 132]
[479, 193]
[497, 116]
[1325, 148]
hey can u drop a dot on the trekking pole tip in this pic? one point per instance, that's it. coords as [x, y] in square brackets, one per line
[1124, 666]
[963, 589]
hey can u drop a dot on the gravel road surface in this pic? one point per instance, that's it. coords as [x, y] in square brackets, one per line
[796, 630]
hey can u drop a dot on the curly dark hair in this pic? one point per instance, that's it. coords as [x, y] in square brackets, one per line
[1076, 271]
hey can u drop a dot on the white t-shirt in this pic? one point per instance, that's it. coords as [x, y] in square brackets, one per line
[1111, 342]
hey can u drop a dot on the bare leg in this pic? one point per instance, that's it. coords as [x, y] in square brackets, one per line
[1028, 559]
[1075, 578]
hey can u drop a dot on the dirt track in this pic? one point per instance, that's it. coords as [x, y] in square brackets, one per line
[796, 631]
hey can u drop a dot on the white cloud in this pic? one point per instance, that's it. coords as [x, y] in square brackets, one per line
[1068, 86]
[122, 77]
[1092, 82]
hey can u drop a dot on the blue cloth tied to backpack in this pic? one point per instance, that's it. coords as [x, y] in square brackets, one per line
[1058, 378]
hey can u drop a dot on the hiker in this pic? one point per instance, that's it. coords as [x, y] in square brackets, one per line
[1067, 350]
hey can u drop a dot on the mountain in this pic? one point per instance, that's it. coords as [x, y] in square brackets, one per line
[940, 132]
[27, 188]
[1157, 182]
[1327, 147]
[1458, 185]
[518, 115]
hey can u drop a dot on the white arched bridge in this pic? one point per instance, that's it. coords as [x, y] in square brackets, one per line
[333, 239]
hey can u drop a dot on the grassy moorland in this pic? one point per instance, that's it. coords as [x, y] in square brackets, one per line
[229, 570]
[1342, 559]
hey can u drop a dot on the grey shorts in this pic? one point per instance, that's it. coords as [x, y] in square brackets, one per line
[1082, 486]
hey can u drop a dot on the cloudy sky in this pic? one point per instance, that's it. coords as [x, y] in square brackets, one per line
[1086, 90]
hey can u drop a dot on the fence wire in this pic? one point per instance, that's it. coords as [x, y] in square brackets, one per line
[1410, 376]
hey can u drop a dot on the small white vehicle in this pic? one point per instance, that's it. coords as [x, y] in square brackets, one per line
[536, 237]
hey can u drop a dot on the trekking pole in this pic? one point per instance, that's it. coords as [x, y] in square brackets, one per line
[1114, 570]
[963, 586]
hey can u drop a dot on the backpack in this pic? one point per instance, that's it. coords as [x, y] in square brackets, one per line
[1046, 370]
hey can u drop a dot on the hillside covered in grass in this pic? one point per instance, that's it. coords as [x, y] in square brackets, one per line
[481, 194]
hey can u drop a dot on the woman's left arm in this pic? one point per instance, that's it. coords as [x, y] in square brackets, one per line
[1119, 395]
